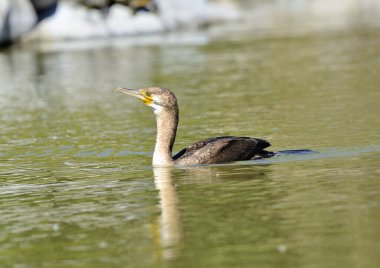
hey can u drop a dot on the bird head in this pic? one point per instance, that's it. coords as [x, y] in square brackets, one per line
[159, 99]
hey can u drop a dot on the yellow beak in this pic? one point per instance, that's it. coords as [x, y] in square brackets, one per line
[137, 93]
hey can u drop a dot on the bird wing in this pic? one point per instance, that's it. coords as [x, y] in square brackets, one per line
[221, 150]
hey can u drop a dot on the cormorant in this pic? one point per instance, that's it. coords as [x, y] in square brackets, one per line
[210, 151]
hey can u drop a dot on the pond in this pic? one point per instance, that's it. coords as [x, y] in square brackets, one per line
[78, 188]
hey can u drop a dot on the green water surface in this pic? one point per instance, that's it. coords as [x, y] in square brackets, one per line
[77, 188]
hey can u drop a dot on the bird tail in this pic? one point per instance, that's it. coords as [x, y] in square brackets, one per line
[297, 152]
[267, 154]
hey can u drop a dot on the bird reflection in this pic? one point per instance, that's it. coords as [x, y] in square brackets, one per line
[170, 218]
[170, 224]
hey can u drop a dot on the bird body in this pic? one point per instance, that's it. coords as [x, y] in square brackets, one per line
[222, 150]
[210, 151]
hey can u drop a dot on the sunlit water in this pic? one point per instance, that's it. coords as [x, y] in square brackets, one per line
[78, 189]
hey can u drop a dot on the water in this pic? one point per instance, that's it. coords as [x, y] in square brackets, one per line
[78, 189]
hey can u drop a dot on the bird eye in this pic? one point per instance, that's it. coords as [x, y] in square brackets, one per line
[148, 94]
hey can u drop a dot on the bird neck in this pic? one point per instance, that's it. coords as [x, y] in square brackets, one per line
[167, 122]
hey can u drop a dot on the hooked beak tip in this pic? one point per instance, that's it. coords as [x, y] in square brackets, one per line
[121, 90]
[128, 91]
